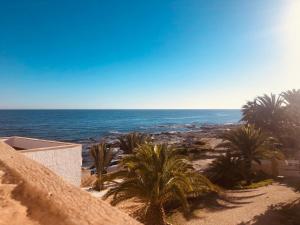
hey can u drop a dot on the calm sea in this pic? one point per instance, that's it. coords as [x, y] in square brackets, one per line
[80, 125]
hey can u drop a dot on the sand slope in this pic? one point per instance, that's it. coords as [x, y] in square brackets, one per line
[11, 211]
[32, 194]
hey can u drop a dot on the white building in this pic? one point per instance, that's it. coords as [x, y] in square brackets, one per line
[62, 158]
[285, 168]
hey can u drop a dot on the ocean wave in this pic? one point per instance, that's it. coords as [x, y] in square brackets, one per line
[167, 127]
[184, 117]
[114, 132]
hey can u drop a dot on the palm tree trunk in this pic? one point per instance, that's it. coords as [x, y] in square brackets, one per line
[274, 164]
[99, 182]
[155, 215]
[248, 166]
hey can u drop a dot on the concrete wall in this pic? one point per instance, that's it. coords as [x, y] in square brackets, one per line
[65, 162]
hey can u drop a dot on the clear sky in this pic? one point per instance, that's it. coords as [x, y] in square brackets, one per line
[146, 54]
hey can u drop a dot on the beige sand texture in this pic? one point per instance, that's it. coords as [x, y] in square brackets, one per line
[32, 194]
[244, 207]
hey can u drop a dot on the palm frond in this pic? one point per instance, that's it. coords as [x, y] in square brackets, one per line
[128, 143]
[157, 174]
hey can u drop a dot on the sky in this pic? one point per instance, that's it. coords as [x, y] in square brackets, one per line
[146, 54]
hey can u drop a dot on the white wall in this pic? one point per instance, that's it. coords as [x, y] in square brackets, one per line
[286, 168]
[65, 162]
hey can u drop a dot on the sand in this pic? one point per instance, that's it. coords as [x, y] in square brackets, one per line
[11, 211]
[32, 194]
[243, 207]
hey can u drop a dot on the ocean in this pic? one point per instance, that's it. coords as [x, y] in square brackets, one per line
[82, 125]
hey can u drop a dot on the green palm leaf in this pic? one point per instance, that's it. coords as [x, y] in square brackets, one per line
[157, 174]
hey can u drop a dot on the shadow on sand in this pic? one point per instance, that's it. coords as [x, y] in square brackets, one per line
[283, 213]
[216, 202]
[291, 182]
[280, 214]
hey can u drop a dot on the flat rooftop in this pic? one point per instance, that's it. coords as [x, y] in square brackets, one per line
[32, 144]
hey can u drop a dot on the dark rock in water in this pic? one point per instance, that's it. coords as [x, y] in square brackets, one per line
[196, 141]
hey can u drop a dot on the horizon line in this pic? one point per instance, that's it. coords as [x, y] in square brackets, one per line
[120, 109]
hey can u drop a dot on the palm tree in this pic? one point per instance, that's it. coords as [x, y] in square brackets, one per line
[266, 112]
[157, 174]
[249, 145]
[131, 141]
[291, 131]
[225, 170]
[102, 156]
[292, 100]
[292, 97]
[249, 111]
[272, 112]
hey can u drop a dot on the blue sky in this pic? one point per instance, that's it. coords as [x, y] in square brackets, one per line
[146, 54]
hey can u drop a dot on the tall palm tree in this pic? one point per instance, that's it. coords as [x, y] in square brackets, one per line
[102, 156]
[249, 111]
[292, 96]
[266, 112]
[129, 142]
[249, 145]
[291, 131]
[272, 111]
[156, 174]
[292, 100]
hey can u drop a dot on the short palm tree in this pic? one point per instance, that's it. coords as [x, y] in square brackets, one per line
[265, 112]
[249, 145]
[102, 156]
[157, 174]
[129, 142]
[225, 170]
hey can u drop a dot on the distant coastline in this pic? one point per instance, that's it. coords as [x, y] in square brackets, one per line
[176, 138]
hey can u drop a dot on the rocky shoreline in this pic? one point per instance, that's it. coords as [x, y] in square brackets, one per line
[199, 141]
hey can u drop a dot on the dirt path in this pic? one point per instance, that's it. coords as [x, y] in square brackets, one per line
[242, 206]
